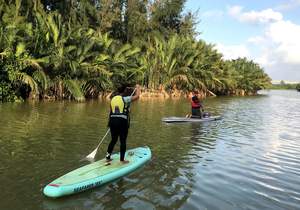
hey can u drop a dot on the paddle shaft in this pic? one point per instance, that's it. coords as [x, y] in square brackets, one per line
[103, 139]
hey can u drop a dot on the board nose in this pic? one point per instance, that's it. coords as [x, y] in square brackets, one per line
[52, 190]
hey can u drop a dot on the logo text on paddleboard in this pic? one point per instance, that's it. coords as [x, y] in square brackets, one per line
[88, 186]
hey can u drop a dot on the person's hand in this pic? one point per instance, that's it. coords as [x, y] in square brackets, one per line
[137, 93]
[138, 87]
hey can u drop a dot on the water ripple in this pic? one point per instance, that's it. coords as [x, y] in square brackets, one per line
[248, 160]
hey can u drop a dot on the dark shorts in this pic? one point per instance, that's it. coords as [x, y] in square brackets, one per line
[196, 112]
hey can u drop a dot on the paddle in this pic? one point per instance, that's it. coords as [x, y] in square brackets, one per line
[93, 154]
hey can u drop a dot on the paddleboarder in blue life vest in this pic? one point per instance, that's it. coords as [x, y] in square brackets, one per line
[119, 119]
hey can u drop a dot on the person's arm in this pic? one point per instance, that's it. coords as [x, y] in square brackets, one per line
[201, 107]
[137, 93]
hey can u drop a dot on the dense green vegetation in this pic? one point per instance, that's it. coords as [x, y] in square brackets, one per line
[82, 48]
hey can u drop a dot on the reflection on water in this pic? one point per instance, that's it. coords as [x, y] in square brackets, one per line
[248, 160]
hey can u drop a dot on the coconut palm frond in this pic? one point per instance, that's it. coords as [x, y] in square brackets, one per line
[40, 77]
[94, 86]
[121, 51]
[74, 89]
[27, 79]
[21, 48]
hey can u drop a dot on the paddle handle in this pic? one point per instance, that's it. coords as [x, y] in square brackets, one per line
[133, 92]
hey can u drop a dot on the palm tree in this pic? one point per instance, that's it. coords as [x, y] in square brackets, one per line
[22, 67]
[58, 50]
[118, 61]
[251, 77]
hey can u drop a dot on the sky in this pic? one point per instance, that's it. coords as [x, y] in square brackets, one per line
[266, 31]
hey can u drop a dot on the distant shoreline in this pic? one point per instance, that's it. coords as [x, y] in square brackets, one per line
[285, 86]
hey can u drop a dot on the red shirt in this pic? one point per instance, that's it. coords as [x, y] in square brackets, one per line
[196, 104]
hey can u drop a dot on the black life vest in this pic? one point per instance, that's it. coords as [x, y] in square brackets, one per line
[118, 108]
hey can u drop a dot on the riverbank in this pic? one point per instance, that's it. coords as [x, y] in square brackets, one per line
[285, 86]
[177, 94]
[147, 94]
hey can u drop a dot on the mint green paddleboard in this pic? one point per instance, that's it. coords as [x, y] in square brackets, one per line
[97, 173]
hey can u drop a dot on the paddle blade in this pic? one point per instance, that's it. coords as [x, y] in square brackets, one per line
[92, 154]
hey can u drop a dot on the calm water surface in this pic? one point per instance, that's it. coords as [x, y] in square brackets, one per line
[248, 160]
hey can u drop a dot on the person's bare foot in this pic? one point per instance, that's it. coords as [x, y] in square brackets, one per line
[124, 162]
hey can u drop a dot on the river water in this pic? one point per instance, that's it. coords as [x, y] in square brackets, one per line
[248, 160]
